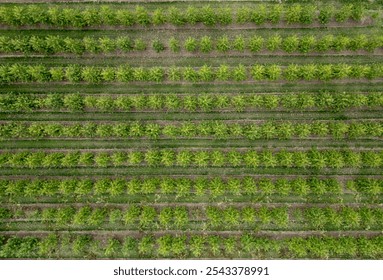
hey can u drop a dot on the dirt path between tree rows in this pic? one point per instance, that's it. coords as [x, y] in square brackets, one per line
[100, 234]
[199, 205]
[213, 54]
[200, 26]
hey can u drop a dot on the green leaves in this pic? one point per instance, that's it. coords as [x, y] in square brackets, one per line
[256, 43]
[223, 44]
[205, 44]
[268, 158]
[105, 15]
[174, 45]
[125, 73]
[190, 44]
[196, 246]
[158, 46]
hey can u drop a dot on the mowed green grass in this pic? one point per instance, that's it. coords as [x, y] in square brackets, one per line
[187, 143]
[195, 61]
[197, 88]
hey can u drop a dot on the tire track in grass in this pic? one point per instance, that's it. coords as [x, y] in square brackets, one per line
[331, 86]
[191, 205]
[368, 22]
[101, 234]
